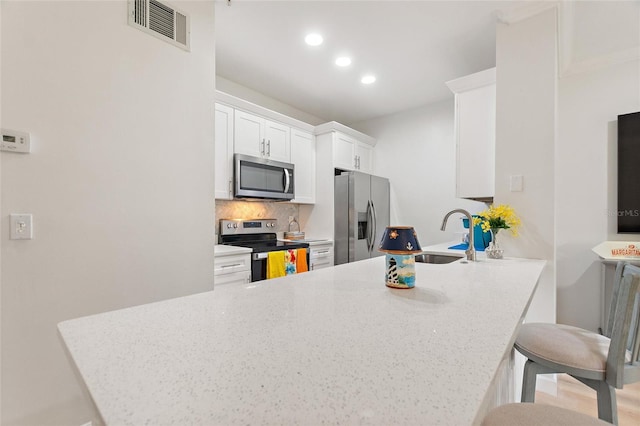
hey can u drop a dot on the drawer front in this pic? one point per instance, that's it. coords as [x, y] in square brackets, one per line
[321, 251]
[230, 264]
[233, 278]
[321, 263]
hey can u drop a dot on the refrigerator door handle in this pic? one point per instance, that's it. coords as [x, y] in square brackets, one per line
[374, 229]
[369, 220]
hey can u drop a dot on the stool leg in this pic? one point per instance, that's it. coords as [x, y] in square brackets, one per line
[607, 406]
[529, 382]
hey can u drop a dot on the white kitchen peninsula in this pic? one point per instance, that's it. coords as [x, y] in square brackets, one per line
[329, 346]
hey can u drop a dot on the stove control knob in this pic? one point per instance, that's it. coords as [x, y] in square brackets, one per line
[229, 226]
[235, 225]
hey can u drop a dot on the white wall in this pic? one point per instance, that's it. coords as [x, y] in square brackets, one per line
[1, 232]
[120, 183]
[526, 76]
[525, 143]
[416, 151]
[586, 185]
[248, 94]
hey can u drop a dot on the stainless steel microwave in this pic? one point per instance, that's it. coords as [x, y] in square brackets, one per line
[260, 178]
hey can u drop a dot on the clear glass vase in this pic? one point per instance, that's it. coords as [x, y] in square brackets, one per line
[494, 251]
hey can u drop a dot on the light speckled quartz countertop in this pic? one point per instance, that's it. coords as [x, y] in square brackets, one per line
[225, 250]
[332, 346]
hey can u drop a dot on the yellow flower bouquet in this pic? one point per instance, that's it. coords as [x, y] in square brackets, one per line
[494, 219]
[498, 217]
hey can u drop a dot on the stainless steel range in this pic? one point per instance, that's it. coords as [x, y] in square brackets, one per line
[260, 236]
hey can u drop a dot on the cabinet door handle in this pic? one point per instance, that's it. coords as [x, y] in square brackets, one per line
[355, 161]
[269, 148]
[230, 187]
[262, 147]
[358, 162]
[232, 266]
[321, 252]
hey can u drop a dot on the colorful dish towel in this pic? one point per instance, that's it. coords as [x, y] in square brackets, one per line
[275, 264]
[301, 264]
[290, 261]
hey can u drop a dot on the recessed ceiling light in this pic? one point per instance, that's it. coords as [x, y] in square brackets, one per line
[368, 79]
[313, 39]
[343, 61]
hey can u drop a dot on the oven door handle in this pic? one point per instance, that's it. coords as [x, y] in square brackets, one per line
[287, 181]
[260, 256]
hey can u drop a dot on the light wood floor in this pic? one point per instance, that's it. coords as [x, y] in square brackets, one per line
[574, 395]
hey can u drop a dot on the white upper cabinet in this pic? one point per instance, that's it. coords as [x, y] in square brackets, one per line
[224, 152]
[475, 134]
[278, 141]
[364, 157]
[246, 128]
[352, 154]
[260, 137]
[303, 156]
[249, 134]
[344, 152]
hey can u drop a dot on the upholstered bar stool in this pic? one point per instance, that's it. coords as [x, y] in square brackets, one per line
[602, 362]
[527, 414]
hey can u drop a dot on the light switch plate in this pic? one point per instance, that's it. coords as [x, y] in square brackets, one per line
[21, 226]
[516, 183]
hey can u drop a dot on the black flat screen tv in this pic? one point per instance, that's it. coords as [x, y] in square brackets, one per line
[629, 173]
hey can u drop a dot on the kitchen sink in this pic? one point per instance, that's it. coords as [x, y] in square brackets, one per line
[439, 259]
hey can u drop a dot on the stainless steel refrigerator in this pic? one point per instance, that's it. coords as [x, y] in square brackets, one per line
[361, 215]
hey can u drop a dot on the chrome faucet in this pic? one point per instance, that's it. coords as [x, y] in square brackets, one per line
[471, 251]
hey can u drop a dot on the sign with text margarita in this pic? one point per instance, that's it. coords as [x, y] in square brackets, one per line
[618, 250]
[628, 251]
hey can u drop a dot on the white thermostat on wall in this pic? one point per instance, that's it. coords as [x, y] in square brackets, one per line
[14, 141]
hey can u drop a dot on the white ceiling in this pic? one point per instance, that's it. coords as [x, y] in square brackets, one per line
[413, 48]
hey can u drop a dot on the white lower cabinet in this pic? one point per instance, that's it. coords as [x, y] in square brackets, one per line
[234, 278]
[232, 265]
[320, 255]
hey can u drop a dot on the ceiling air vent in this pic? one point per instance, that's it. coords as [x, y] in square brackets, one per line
[160, 20]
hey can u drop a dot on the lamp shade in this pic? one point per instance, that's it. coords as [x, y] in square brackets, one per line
[399, 240]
